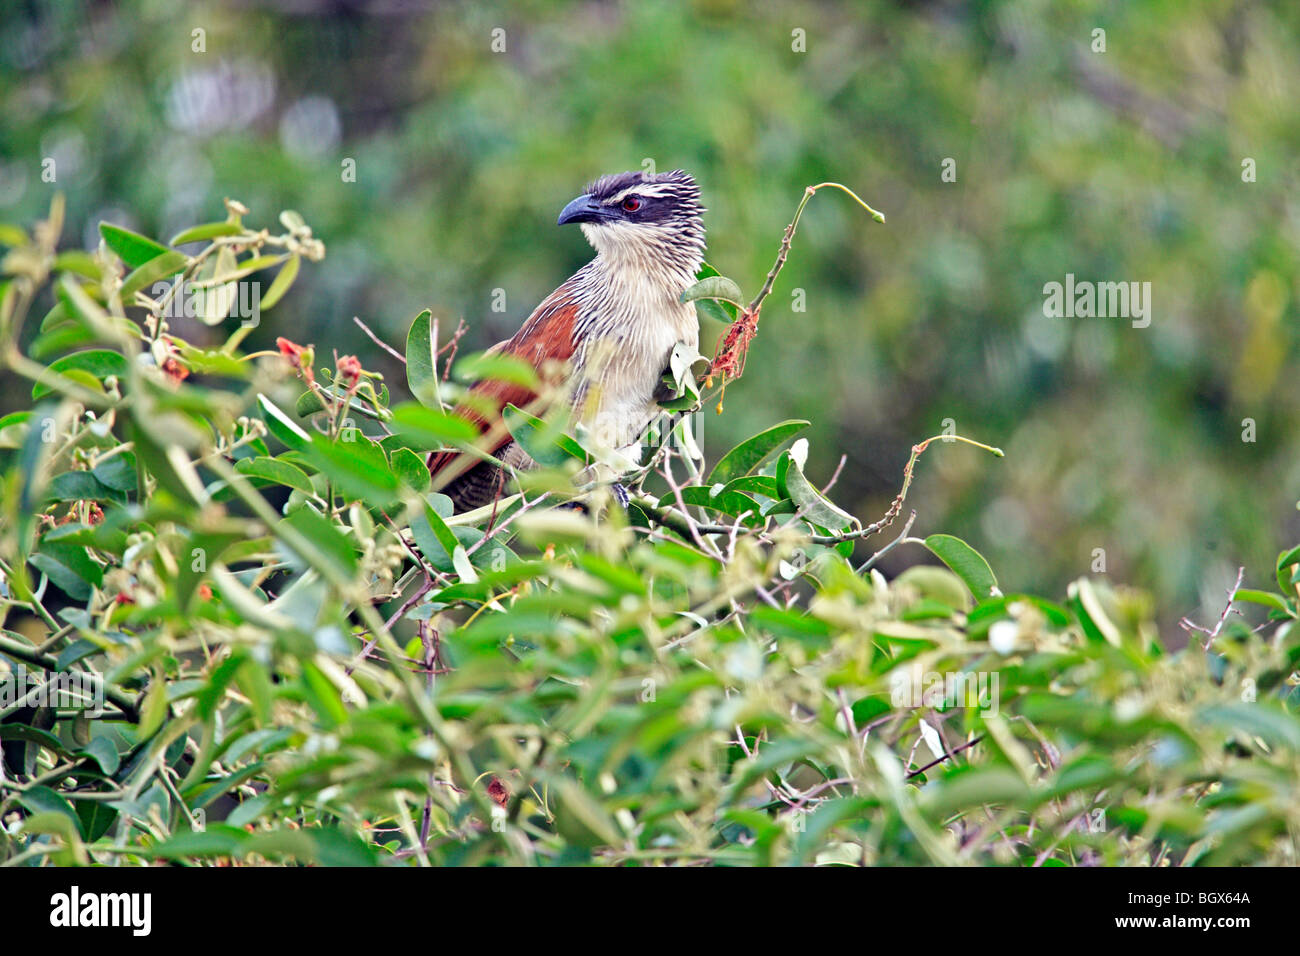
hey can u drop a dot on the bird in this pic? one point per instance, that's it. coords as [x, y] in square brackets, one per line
[604, 338]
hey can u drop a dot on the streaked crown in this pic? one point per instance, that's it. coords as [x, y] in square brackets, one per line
[655, 213]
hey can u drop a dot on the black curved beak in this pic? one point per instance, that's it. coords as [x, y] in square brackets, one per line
[584, 209]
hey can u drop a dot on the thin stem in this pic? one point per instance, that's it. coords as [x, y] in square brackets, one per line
[871, 561]
[788, 237]
[378, 341]
[950, 754]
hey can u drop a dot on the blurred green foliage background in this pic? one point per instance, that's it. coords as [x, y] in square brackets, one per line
[1123, 165]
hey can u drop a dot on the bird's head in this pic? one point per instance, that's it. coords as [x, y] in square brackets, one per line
[646, 216]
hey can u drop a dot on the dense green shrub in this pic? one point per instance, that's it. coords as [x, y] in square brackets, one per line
[1008, 151]
[303, 654]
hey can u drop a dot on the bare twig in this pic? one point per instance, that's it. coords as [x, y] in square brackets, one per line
[410, 602]
[691, 526]
[695, 529]
[453, 345]
[835, 476]
[1187, 625]
[871, 561]
[729, 361]
[378, 341]
[955, 750]
[494, 530]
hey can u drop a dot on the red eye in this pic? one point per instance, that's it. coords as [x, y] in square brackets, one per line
[631, 204]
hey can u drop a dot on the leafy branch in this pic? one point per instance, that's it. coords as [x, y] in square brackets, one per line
[729, 360]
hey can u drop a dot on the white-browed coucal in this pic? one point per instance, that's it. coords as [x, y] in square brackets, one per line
[609, 330]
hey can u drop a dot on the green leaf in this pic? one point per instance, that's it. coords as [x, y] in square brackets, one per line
[81, 486]
[132, 248]
[867, 709]
[496, 367]
[40, 799]
[440, 530]
[935, 586]
[754, 485]
[356, 465]
[31, 471]
[211, 361]
[70, 567]
[973, 788]
[441, 544]
[217, 840]
[166, 266]
[967, 563]
[118, 472]
[99, 364]
[545, 443]
[1091, 612]
[1286, 560]
[715, 287]
[580, 818]
[216, 287]
[1258, 719]
[792, 623]
[96, 817]
[59, 313]
[715, 310]
[308, 404]
[734, 503]
[76, 651]
[13, 429]
[167, 463]
[429, 428]
[257, 687]
[421, 362]
[80, 262]
[411, 469]
[34, 735]
[209, 547]
[255, 264]
[281, 283]
[811, 504]
[11, 235]
[81, 304]
[153, 709]
[282, 426]
[102, 751]
[213, 692]
[323, 696]
[332, 547]
[68, 336]
[336, 847]
[1266, 598]
[69, 831]
[276, 471]
[752, 452]
[210, 230]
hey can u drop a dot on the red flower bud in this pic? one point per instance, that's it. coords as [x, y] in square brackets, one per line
[299, 357]
[174, 370]
[350, 369]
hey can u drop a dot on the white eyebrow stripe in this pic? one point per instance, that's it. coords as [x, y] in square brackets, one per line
[646, 190]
